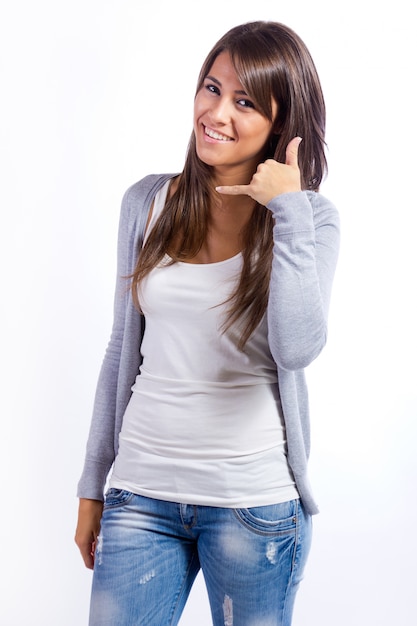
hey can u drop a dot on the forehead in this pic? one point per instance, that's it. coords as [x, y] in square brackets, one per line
[223, 70]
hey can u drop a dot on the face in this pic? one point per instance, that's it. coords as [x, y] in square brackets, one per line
[230, 133]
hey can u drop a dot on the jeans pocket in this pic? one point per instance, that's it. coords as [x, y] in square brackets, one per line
[270, 519]
[117, 497]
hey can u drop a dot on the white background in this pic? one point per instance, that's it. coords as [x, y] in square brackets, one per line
[94, 95]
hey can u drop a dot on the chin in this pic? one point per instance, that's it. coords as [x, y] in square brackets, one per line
[207, 159]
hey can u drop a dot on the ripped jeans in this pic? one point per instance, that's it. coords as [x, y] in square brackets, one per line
[150, 551]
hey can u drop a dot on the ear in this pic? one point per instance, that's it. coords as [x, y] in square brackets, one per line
[277, 127]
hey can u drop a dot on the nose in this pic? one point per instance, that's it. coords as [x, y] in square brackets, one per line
[221, 111]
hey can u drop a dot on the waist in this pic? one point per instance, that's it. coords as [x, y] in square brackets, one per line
[211, 444]
[177, 418]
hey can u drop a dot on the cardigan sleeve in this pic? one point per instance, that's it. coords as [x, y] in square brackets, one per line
[100, 452]
[122, 357]
[306, 245]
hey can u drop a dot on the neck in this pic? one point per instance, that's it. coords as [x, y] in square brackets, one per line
[230, 215]
[239, 175]
[241, 205]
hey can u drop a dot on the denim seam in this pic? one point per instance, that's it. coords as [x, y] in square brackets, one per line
[266, 532]
[180, 591]
[291, 576]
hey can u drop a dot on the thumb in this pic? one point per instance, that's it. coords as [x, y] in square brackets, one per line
[291, 153]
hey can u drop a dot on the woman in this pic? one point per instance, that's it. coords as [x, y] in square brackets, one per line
[201, 405]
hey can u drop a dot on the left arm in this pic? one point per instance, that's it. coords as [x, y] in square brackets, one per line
[306, 245]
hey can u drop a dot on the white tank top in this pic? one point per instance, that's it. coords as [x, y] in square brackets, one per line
[204, 424]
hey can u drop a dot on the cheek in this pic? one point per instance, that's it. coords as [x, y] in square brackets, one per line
[198, 104]
[268, 128]
[196, 117]
[260, 133]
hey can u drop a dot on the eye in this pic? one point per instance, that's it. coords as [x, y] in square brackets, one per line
[212, 88]
[246, 103]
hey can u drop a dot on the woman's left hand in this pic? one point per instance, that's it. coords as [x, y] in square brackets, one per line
[271, 178]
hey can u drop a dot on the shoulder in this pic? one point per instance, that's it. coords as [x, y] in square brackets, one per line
[145, 188]
[138, 197]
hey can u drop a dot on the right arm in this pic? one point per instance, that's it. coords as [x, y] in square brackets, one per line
[100, 452]
[116, 378]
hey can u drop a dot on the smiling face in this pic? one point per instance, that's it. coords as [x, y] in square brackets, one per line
[230, 132]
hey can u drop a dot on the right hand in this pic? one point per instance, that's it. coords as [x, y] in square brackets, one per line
[88, 528]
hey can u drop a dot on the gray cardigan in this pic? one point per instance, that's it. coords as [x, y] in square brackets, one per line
[306, 242]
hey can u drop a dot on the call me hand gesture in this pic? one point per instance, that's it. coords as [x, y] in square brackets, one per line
[271, 178]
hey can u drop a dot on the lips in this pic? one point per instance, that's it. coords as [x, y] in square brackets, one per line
[214, 134]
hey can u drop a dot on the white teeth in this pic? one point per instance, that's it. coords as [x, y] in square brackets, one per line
[214, 135]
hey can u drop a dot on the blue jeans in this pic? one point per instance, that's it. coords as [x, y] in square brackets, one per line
[150, 551]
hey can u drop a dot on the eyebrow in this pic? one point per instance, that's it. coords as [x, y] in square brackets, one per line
[238, 91]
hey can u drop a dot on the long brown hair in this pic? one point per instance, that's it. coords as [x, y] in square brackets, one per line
[271, 62]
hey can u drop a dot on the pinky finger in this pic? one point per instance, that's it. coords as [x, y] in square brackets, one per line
[234, 190]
